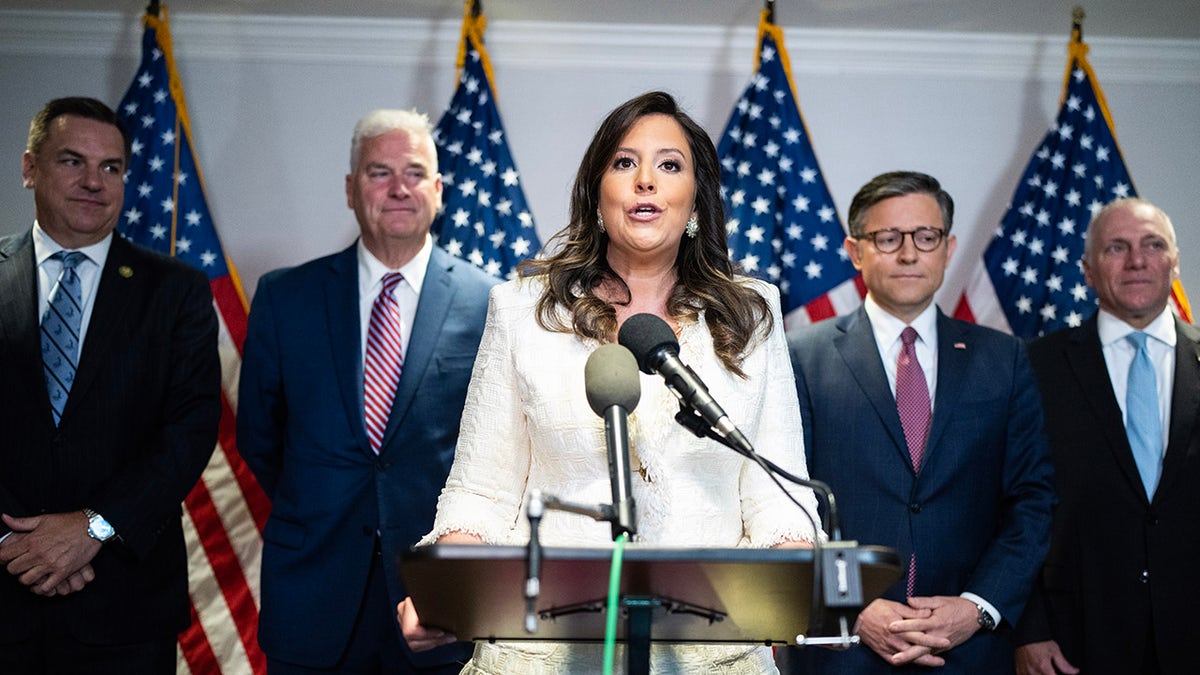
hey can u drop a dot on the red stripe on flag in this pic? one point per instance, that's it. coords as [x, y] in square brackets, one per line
[820, 308]
[227, 570]
[193, 642]
[963, 310]
[860, 285]
[233, 310]
[256, 500]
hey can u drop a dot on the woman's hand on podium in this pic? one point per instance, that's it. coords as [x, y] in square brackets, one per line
[420, 638]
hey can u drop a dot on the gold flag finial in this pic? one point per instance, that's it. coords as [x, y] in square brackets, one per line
[1077, 17]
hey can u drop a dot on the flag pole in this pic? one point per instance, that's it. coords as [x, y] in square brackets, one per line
[152, 8]
[769, 7]
[1077, 17]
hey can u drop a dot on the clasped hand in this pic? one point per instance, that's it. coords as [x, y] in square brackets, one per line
[919, 631]
[50, 553]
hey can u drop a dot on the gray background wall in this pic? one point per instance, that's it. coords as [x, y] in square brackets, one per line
[962, 90]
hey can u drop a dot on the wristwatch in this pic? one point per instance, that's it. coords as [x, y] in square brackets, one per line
[986, 621]
[98, 528]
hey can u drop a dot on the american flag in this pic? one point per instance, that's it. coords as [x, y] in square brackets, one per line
[1031, 281]
[782, 225]
[224, 514]
[485, 218]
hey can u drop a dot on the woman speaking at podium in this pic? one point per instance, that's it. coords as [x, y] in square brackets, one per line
[646, 235]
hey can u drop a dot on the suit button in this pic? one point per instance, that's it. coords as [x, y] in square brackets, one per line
[914, 507]
[1145, 579]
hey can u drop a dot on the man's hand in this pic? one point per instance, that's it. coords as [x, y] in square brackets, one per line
[898, 647]
[50, 553]
[420, 638]
[953, 618]
[1043, 658]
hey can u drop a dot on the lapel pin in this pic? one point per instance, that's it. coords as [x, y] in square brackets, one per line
[960, 345]
[125, 271]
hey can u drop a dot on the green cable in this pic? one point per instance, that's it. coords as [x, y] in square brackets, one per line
[614, 594]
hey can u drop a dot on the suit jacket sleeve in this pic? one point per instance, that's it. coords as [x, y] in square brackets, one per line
[147, 492]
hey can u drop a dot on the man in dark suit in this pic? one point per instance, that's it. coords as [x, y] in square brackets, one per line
[109, 407]
[929, 431]
[1119, 589]
[353, 382]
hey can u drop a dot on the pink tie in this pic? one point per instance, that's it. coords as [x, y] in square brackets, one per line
[912, 402]
[384, 360]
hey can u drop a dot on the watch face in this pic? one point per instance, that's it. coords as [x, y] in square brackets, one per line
[99, 528]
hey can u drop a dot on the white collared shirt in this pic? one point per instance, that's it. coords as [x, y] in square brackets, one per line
[408, 291]
[1119, 353]
[887, 329]
[88, 270]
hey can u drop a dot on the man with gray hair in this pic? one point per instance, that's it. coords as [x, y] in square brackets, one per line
[353, 381]
[1121, 393]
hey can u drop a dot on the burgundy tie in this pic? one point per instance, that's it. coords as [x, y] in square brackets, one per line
[384, 361]
[912, 402]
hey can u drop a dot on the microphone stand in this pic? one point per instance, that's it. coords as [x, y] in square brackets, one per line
[841, 592]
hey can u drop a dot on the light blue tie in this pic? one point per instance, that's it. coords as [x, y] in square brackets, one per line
[1142, 424]
[60, 331]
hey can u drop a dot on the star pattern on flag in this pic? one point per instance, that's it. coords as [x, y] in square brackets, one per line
[1035, 259]
[165, 209]
[782, 226]
[485, 218]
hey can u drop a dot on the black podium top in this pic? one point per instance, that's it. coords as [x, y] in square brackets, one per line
[707, 595]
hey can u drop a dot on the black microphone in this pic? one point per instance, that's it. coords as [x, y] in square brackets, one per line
[613, 390]
[654, 345]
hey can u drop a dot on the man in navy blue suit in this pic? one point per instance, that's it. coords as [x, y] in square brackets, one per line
[354, 376]
[956, 476]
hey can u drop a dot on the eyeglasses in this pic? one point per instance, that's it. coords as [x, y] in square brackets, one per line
[926, 239]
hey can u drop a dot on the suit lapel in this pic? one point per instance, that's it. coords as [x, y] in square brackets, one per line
[954, 356]
[1185, 404]
[122, 285]
[858, 349]
[1085, 358]
[345, 339]
[433, 308]
[19, 326]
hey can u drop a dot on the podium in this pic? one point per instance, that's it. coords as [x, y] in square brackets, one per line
[713, 595]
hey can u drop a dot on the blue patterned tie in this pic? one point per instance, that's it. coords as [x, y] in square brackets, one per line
[1142, 423]
[60, 331]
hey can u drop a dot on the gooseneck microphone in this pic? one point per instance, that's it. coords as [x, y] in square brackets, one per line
[654, 346]
[611, 382]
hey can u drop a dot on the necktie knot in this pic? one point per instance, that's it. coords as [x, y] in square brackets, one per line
[70, 259]
[390, 281]
[908, 336]
[1137, 339]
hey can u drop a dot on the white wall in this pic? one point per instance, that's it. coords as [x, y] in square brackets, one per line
[273, 99]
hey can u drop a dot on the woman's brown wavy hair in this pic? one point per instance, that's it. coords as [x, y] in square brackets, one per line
[704, 273]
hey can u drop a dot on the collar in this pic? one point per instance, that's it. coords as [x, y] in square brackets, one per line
[888, 328]
[1112, 329]
[44, 246]
[371, 270]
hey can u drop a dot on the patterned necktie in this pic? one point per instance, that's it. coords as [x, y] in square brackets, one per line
[60, 332]
[384, 361]
[912, 402]
[1142, 423]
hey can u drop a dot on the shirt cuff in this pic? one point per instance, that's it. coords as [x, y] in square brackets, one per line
[987, 606]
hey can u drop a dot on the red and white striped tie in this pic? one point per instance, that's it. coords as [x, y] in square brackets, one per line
[384, 361]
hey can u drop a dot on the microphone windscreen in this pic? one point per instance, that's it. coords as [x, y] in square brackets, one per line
[611, 378]
[646, 335]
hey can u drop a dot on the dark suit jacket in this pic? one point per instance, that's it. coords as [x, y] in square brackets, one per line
[1118, 563]
[301, 430]
[977, 515]
[138, 429]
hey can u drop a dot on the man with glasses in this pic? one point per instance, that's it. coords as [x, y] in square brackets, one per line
[929, 431]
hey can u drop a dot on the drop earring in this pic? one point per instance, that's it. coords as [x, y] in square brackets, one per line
[600, 220]
[693, 226]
